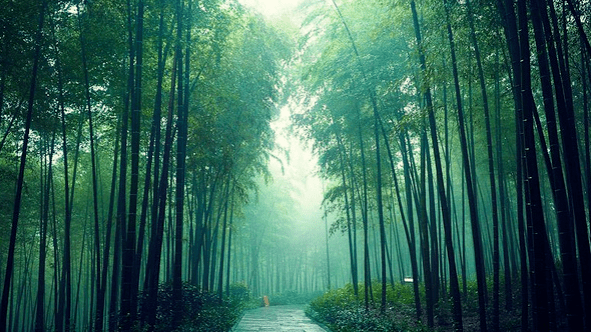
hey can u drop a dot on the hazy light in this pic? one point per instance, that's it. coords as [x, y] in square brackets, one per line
[301, 166]
[270, 8]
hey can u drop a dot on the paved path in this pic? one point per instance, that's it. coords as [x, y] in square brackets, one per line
[277, 319]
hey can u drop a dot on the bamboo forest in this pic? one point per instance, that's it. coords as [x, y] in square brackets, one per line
[295, 165]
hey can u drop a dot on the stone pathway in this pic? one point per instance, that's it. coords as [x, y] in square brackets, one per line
[277, 318]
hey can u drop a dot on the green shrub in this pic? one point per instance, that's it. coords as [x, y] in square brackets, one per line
[202, 311]
[292, 297]
[340, 310]
[239, 290]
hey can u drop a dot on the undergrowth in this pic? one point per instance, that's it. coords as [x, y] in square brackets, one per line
[292, 297]
[202, 311]
[341, 311]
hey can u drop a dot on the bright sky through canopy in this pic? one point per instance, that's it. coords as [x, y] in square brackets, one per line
[270, 8]
[300, 168]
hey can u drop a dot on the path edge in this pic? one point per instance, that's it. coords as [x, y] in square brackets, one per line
[321, 324]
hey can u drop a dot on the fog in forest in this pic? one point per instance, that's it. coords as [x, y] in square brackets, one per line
[288, 165]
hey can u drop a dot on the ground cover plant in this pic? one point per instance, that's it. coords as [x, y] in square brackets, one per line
[340, 310]
[202, 310]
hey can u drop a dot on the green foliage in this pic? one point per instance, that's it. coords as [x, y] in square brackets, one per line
[239, 291]
[202, 311]
[292, 297]
[341, 310]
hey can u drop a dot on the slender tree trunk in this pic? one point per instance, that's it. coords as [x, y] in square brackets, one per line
[566, 236]
[409, 233]
[470, 185]
[44, 220]
[379, 180]
[380, 204]
[586, 123]
[177, 286]
[424, 229]
[531, 181]
[230, 225]
[354, 214]
[491, 171]
[121, 273]
[568, 131]
[433, 233]
[156, 130]
[129, 274]
[116, 270]
[92, 152]
[224, 229]
[224, 217]
[100, 296]
[207, 237]
[324, 216]
[502, 196]
[409, 229]
[59, 290]
[352, 258]
[155, 247]
[509, 20]
[364, 212]
[454, 284]
[20, 180]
